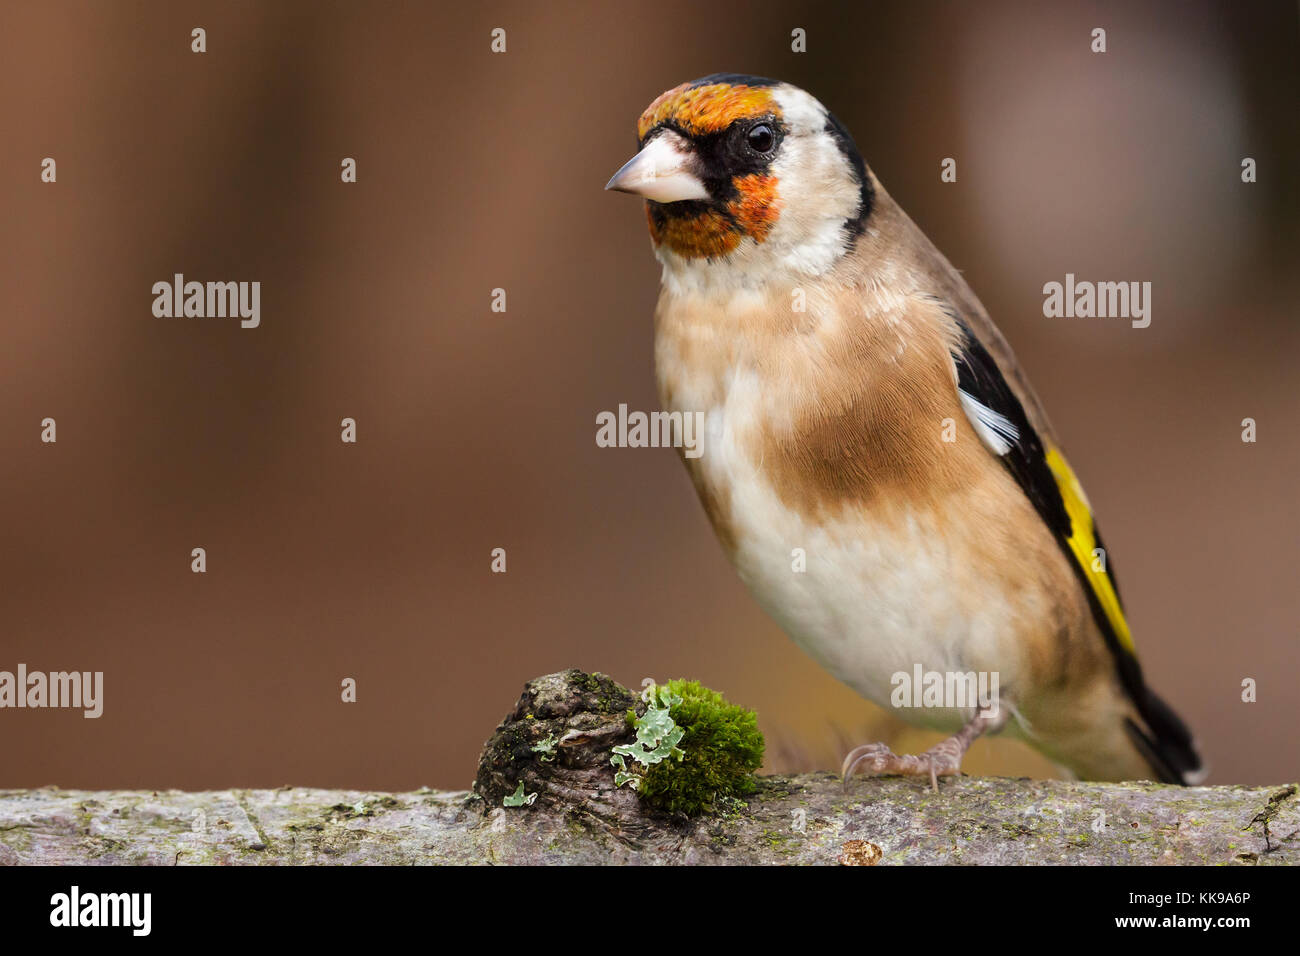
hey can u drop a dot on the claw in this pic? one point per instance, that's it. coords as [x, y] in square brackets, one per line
[866, 752]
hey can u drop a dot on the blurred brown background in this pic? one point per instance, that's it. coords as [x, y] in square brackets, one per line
[476, 429]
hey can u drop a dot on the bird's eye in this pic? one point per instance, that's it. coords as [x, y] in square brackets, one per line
[762, 138]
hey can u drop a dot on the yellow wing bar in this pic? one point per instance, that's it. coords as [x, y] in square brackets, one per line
[1083, 544]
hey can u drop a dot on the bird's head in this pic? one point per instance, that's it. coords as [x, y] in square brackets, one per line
[746, 172]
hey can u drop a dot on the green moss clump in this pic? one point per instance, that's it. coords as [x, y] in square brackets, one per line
[721, 748]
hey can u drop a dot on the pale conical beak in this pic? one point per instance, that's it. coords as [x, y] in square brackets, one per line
[662, 171]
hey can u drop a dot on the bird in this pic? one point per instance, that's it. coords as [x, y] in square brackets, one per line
[864, 415]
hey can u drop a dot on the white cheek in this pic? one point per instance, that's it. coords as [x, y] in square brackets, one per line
[818, 194]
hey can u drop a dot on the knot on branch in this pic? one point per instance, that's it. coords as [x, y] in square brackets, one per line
[557, 743]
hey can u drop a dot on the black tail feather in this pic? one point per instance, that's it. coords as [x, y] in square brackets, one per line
[1166, 742]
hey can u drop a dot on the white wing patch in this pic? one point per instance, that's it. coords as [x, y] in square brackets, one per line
[995, 429]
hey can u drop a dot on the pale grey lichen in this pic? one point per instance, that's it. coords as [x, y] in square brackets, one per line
[519, 798]
[546, 748]
[657, 736]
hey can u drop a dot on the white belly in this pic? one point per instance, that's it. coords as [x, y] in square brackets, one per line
[881, 592]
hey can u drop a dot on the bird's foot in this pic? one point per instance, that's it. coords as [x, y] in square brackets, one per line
[941, 760]
[877, 760]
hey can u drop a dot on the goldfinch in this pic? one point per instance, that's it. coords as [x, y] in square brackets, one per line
[862, 410]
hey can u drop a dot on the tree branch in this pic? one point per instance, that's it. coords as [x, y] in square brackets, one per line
[579, 817]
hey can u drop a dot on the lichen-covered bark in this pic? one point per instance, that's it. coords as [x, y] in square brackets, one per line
[579, 817]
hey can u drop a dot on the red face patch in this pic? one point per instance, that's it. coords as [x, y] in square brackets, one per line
[714, 230]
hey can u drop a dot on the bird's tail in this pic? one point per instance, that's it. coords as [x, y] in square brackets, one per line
[1165, 741]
